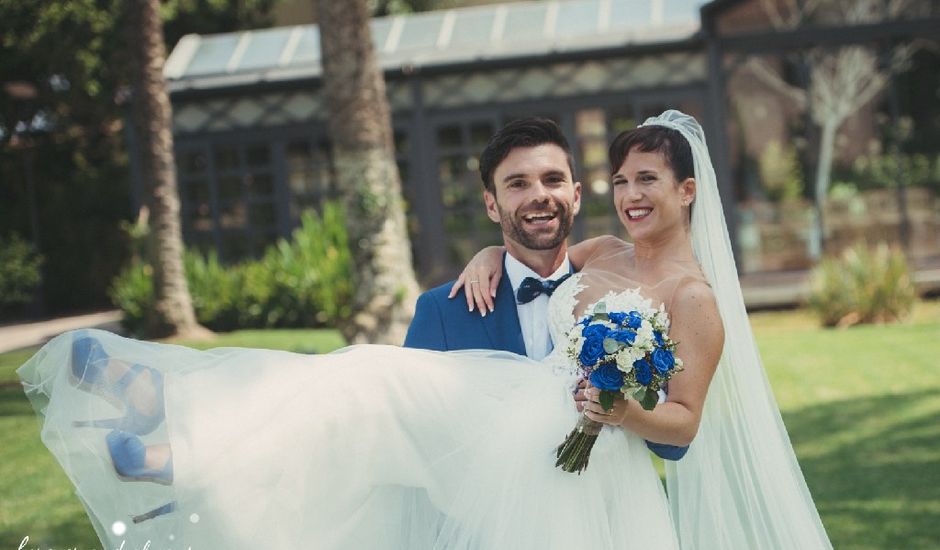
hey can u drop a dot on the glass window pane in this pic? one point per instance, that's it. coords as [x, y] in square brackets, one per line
[201, 216]
[403, 172]
[226, 159]
[196, 190]
[264, 49]
[630, 13]
[577, 18]
[201, 241]
[192, 163]
[402, 142]
[480, 134]
[308, 48]
[449, 136]
[230, 187]
[678, 11]
[472, 27]
[421, 31]
[235, 246]
[298, 154]
[232, 215]
[263, 215]
[260, 185]
[450, 168]
[620, 120]
[525, 21]
[258, 155]
[213, 54]
[380, 29]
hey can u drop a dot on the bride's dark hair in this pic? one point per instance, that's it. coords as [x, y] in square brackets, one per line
[654, 139]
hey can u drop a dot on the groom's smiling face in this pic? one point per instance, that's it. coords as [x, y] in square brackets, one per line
[534, 197]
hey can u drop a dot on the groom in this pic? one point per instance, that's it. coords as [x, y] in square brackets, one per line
[529, 190]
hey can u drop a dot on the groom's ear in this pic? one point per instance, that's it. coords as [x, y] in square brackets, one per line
[576, 206]
[492, 210]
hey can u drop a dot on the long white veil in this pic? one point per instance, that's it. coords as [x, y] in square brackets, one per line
[739, 486]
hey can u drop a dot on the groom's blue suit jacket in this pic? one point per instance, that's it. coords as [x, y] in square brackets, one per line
[445, 324]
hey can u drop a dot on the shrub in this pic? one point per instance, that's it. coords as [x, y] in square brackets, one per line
[864, 285]
[19, 271]
[312, 272]
[301, 282]
[132, 293]
[214, 289]
[780, 172]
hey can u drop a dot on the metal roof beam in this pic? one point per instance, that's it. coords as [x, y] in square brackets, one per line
[809, 37]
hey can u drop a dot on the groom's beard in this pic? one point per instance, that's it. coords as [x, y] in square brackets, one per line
[514, 227]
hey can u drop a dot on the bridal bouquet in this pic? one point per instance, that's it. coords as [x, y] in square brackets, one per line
[624, 351]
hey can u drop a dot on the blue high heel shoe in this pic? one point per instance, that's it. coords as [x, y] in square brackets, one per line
[128, 454]
[89, 362]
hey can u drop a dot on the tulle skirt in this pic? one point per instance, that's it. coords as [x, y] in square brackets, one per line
[374, 447]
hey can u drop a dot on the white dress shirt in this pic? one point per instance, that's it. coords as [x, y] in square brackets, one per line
[533, 316]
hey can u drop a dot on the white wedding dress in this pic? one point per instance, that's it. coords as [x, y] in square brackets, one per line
[375, 447]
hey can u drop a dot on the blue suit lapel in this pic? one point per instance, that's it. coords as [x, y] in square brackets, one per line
[503, 324]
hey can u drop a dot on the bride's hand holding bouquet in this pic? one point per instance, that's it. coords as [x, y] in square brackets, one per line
[625, 352]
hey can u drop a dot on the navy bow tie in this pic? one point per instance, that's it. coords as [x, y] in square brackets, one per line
[532, 287]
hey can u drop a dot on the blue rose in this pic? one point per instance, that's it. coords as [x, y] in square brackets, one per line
[663, 360]
[659, 338]
[607, 377]
[591, 351]
[595, 331]
[617, 317]
[625, 336]
[634, 320]
[644, 373]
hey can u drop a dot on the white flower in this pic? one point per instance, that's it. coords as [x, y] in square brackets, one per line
[627, 356]
[644, 336]
[628, 300]
[661, 319]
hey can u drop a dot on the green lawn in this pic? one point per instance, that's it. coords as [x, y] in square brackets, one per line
[862, 407]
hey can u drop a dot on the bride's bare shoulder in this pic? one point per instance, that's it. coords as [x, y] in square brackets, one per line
[608, 245]
[694, 302]
[614, 243]
[591, 250]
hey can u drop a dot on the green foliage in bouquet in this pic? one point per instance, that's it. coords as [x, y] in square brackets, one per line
[302, 282]
[863, 285]
[19, 271]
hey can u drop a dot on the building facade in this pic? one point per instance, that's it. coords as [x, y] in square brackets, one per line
[253, 150]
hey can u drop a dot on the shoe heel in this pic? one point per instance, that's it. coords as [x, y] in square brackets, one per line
[133, 421]
[106, 423]
[156, 512]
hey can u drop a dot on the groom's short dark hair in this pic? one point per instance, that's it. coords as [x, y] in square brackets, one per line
[522, 132]
[654, 139]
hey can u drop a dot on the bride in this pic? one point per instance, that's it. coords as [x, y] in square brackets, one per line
[386, 447]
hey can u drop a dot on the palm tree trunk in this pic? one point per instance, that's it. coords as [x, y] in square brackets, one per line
[173, 313]
[366, 175]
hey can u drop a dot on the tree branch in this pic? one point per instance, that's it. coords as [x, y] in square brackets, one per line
[760, 69]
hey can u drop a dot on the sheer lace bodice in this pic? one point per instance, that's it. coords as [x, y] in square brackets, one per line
[610, 272]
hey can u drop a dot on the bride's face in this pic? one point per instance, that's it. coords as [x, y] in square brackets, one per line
[650, 202]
